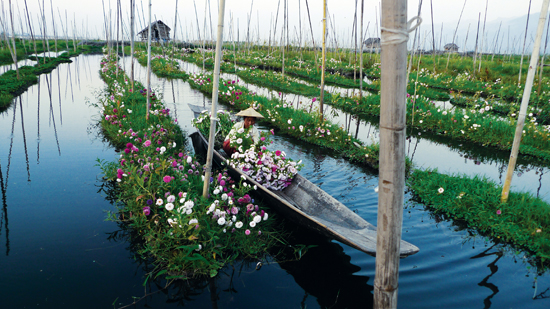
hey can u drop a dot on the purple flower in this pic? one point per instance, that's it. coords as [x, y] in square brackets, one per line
[129, 145]
[166, 179]
[247, 232]
[147, 210]
[149, 202]
[222, 183]
[499, 212]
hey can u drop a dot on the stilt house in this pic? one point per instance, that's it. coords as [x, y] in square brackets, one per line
[160, 32]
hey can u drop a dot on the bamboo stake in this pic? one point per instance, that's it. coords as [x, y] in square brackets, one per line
[285, 24]
[392, 152]
[475, 51]
[542, 60]
[132, 20]
[454, 35]
[466, 40]
[53, 25]
[175, 27]
[433, 33]
[148, 64]
[323, 61]
[524, 40]
[215, 85]
[14, 54]
[360, 66]
[496, 42]
[30, 27]
[483, 36]
[414, 44]
[525, 102]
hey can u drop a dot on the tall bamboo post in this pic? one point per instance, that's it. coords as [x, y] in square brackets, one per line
[14, 54]
[542, 60]
[285, 24]
[524, 41]
[148, 64]
[30, 27]
[475, 50]
[322, 96]
[132, 20]
[525, 102]
[433, 33]
[392, 151]
[483, 36]
[175, 27]
[214, 118]
[360, 67]
[454, 35]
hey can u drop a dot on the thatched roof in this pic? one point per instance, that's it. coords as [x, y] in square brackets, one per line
[372, 41]
[159, 31]
[451, 46]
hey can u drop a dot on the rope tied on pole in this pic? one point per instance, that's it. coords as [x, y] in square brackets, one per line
[399, 36]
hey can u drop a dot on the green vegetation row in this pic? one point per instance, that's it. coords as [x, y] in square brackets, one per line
[523, 221]
[25, 48]
[159, 190]
[474, 125]
[476, 200]
[11, 86]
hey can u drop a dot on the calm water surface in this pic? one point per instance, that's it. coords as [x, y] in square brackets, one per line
[56, 250]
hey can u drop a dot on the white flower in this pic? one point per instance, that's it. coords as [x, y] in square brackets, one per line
[257, 219]
[129, 111]
[266, 216]
[466, 117]
[216, 192]
[440, 190]
[189, 204]
[162, 149]
[193, 221]
[189, 211]
[239, 140]
[224, 196]
[182, 200]
[169, 206]
[189, 160]
[252, 223]
[211, 208]
[444, 112]
[199, 248]
[160, 202]
[221, 221]
[289, 121]
[239, 224]
[171, 199]
[240, 131]
[172, 222]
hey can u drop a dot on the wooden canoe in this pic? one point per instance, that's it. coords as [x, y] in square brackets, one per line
[308, 205]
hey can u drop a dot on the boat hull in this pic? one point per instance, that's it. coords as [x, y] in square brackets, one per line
[306, 204]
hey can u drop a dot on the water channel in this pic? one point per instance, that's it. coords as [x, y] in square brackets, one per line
[56, 250]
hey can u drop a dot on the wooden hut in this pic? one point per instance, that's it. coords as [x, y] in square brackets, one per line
[451, 47]
[372, 43]
[159, 32]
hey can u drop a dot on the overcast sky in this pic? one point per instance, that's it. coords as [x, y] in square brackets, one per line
[89, 14]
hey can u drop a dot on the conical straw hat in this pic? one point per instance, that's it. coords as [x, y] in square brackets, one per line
[250, 112]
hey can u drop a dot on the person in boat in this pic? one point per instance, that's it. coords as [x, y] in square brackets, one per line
[249, 119]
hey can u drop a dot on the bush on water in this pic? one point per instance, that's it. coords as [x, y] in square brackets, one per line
[160, 189]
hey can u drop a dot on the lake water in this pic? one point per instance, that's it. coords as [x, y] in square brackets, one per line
[57, 250]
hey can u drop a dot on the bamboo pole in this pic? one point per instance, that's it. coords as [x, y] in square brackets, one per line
[483, 36]
[524, 40]
[30, 27]
[525, 102]
[542, 60]
[285, 24]
[322, 96]
[14, 54]
[148, 64]
[454, 35]
[360, 66]
[175, 27]
[132, 21]
[475, 51]
[433, 33]
[392, 151]
[215, 85]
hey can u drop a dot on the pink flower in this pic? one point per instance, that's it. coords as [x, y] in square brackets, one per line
[167, 179]
[314, 99]
[499, 212]
[262, 138]
[146, 210]
[147, 143]
[278, 153]
[247, 232]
